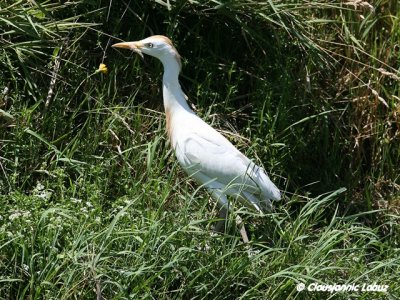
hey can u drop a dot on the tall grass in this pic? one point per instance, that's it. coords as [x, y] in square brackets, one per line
[94, 204]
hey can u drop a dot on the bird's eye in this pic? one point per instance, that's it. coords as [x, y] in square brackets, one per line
[149, 45]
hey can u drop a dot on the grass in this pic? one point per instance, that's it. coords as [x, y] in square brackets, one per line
[94, 204]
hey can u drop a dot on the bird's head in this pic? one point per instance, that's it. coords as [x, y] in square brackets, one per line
[158, 46]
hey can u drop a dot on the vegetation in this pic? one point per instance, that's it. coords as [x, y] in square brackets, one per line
[93, 203]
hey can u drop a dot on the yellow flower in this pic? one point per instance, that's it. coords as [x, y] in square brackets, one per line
[102, 69]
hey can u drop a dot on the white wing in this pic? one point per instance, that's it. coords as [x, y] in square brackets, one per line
[212, 160]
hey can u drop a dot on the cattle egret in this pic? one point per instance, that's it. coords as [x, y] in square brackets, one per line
[204, 153]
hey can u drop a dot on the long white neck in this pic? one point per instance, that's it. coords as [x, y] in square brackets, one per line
[174, 98]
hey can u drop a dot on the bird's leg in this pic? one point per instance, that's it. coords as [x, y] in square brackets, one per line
[223, 209]
[223, 214]
[242, 230]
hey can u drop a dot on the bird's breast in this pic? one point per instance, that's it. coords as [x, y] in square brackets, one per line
[169, 127]
[178, 124]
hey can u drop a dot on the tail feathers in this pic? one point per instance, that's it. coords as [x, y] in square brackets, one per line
[268, 188]
[261, 206]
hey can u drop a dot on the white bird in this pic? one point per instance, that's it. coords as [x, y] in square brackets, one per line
[204, 153]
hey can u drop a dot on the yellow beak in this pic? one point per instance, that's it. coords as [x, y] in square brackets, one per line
[134, 46]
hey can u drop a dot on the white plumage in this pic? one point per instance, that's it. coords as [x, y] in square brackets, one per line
[203, 152]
